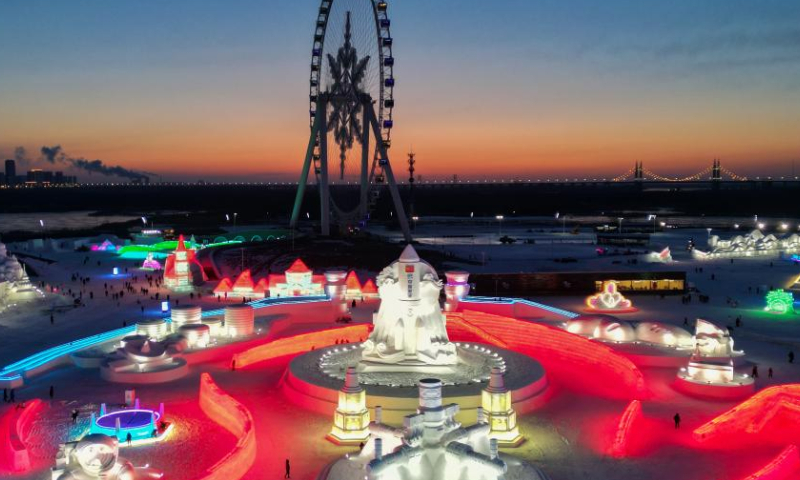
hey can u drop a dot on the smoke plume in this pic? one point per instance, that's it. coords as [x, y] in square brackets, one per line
[53, 154]
[56, 154]
[21, 156]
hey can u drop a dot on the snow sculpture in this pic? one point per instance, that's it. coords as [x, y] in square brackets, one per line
[601, 327]
[434, 445]
[15, 286]
[351, 419]
[96, 456]
[141, 360]
[609, 300]
[502, 419]
[664, 334]
[409, 326]
[753, 244]
[664, 256]
[712, 362]
[713, 341]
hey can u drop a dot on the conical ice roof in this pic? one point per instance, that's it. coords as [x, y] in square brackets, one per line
[409, 255]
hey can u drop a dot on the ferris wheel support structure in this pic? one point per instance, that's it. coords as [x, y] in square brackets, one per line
[320, 141]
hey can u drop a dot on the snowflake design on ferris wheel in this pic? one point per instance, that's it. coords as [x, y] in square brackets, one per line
[347, 73]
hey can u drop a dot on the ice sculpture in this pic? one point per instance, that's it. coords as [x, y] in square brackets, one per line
[96, 456]
[409, 325]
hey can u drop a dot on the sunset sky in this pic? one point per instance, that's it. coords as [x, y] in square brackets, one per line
[206, 89]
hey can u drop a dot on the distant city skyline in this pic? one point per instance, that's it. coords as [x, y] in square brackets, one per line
[214, 90]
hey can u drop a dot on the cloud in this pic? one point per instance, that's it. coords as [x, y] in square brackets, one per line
[735, 43]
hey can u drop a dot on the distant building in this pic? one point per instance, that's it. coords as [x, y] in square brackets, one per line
[38, 177]
[11, 171]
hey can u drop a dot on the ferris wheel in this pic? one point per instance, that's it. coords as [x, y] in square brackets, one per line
[351, 102]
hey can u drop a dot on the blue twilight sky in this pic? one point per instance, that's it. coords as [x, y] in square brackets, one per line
[218, 89]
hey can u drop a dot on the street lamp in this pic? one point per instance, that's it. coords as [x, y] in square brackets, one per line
[563, 222]
[653, 218]
[499, 224]
[234, 218]
[619, 220]
[709, 233]
[415, 218]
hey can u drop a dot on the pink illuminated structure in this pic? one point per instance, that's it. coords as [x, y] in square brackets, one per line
[182, 271]
[15, 427]
[610, 300]
[106, 246]
[369, 290]
[353, 286]
[297, 280]
[151, 263]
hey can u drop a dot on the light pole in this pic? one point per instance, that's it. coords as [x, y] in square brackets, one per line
[415, 218]
[563, 222]
[653, 218]
[499, 225]
[234, 219]
[619, 229]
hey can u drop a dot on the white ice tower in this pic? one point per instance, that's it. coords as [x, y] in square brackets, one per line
[434, 446]
[410, 329]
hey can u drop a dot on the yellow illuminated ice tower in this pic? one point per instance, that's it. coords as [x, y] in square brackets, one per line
[496, 403]
[351, 419]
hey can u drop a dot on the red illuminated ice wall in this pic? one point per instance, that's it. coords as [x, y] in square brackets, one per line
[786, 466]
[625, 429]
[568, 358]
[14, 426]
[236, 418]
[771, 415]
[301, 343]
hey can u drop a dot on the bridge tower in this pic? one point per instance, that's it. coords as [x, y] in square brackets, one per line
[638, 171]
[716, 170]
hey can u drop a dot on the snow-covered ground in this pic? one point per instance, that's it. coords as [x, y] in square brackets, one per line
[567, 437]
